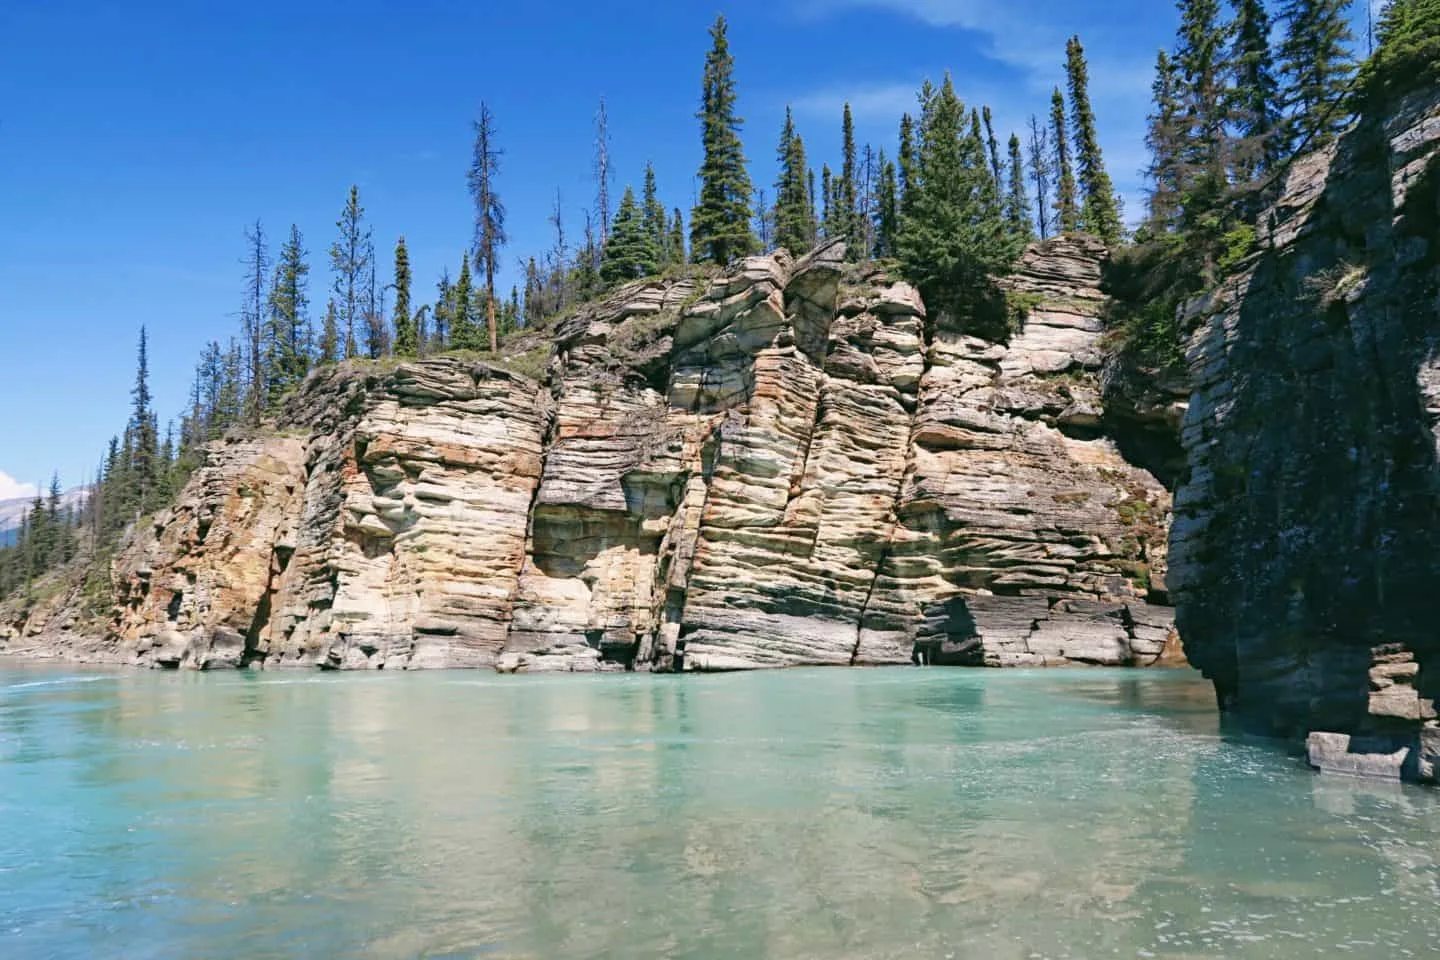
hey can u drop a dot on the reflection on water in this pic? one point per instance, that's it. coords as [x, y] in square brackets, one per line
[800, 814]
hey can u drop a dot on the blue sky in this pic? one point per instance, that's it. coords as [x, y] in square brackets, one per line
[138, 138]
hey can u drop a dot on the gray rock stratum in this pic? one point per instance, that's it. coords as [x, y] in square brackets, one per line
[1304, 548]
[790, 464]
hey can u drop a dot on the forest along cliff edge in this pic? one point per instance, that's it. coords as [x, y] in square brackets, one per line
[786, 465]
[1304, 555]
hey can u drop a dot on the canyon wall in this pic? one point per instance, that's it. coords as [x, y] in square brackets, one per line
[789, 464]
[1306, 543]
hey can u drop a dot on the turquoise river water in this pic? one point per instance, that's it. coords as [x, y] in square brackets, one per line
[802, 814]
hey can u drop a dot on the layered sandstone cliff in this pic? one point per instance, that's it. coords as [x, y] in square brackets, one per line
[790, 464]
[1304, 548]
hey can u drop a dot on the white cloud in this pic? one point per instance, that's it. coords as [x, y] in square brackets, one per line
[12, 489]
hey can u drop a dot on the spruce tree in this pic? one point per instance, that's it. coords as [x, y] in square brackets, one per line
[443, 313]
[464, 334]
[630, 252]
[907, 161]
[794, 216]
[350, 257]
[1165, 139]
[1068, 214]
[1316, 64]
[1254, 99]
[1098, 214]
[142, 432]
[847, 218]
[950, 242]
[329, 347]
[252, 315]
[653, 214]
[1200, 65]
[490, 234]
[288, 321]
[720, 223]
[1017, 204]
[887, 210]
[829, 210]
[676, 246]
[407, 339]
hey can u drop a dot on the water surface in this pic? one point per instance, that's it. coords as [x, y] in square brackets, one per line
[802, 814]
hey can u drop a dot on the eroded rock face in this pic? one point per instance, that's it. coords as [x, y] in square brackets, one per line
[791, 464]
[1305, 567]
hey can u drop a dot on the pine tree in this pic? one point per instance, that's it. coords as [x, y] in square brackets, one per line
[630, 254]
[1165, 140]
[603, 175]
[1316, 64]
[1254, 99]
[720, 224]
[464, 334]
[350, 257]
[407, 339]
[847, 218]
[1099, 214]
[329, 348]
[288, 302]
[1068, 219]
[1040, 174]
[534, 295]
[1017, 204]
[489, 212]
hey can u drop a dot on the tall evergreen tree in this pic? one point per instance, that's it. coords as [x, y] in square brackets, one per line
[829, 209]
[653, 216]
[720, 224]
[603, 175]
[350, 257]
[407, 338]
[907, 161]
[490, 235]
[289, 301]
[142, 435]
[676, 245]
[794, 215]
[1017, 204]
[952, 238]
[252, 314]
[1099, 214]
[464, 334]
[847, 218]
[1200, 85]
[1165, 139]
[443, 313]
[1066, 208]
[630, 254]
[329, 346]
[1316, 64]
[887, 210]
[534, 295]
[1254, 98]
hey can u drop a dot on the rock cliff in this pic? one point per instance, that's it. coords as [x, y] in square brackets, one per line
[1305, 567]
[789, 464]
